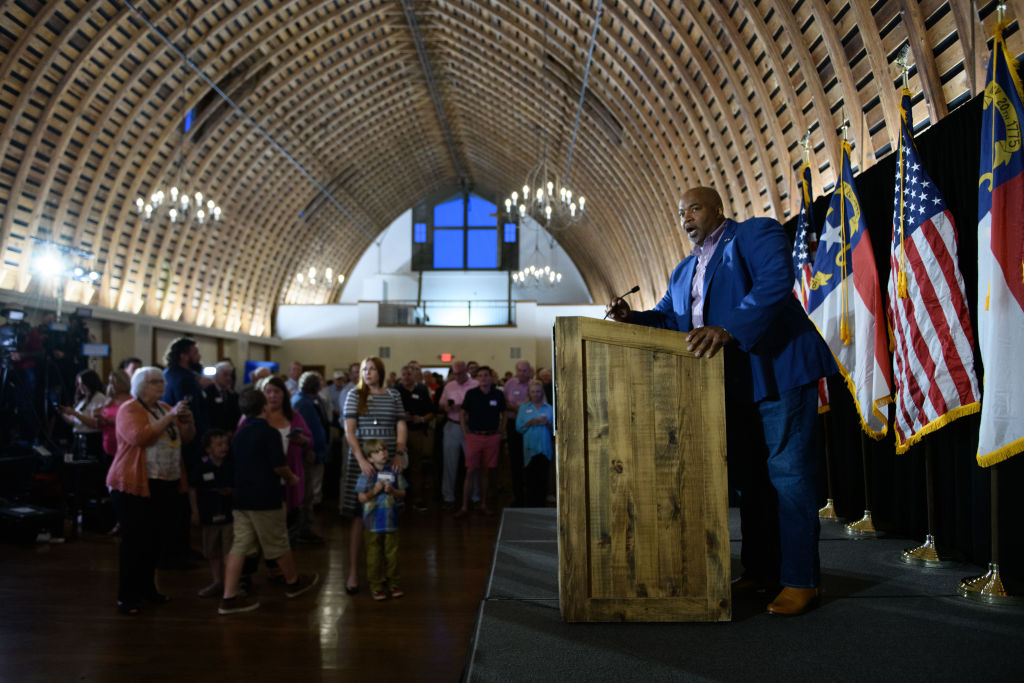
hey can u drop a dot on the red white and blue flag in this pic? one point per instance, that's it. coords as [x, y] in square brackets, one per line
[1001, 260]
[934, 373]
[845, 303]
[805, 243]
[805, 246]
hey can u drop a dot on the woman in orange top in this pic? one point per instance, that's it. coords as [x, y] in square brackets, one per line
[146, 478]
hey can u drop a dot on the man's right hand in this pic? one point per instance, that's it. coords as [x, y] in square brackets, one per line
[618, 310]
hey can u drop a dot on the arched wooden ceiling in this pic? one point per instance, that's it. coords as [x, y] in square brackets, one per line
[681, 92]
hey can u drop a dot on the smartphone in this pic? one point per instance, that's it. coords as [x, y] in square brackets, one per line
[451, 402]
[294, 432]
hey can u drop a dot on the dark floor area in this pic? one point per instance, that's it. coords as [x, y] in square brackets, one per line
[878, 619]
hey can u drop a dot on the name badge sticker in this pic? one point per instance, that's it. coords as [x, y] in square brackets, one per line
[494, 402]
[207, 476]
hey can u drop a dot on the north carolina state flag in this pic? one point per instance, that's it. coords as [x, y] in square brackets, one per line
[845, 303]
[1001, 260]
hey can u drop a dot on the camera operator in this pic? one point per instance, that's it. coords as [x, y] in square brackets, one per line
[21, 352]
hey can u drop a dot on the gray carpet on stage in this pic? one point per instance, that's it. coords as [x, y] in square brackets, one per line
[878, 619]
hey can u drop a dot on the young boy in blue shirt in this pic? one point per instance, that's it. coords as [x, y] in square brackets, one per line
[260, 476]
[379, 494]
[210, 486]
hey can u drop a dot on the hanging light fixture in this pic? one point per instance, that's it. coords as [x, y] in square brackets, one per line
[546, 200]
[550, 202]
[539, 273]
[180, 203]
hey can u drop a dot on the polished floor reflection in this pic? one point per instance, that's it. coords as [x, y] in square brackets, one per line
[58, 621]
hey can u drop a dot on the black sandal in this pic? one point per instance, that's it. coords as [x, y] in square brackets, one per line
[128, 608]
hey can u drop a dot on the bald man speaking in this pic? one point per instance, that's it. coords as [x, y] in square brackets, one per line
[734, 293]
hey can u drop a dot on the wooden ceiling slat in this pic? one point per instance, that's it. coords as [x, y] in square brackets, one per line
[681, 92]
[913, 20]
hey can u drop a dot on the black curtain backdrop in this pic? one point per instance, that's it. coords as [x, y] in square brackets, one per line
[950, 152]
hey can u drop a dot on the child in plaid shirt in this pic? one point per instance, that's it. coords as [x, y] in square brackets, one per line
[379, 494]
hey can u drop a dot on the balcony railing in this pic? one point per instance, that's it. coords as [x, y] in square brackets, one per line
[480, 313]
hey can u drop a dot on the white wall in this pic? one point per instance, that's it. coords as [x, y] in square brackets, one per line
[335, 335]
[383, 273]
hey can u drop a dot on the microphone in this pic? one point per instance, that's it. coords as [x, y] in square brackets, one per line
[636, 288]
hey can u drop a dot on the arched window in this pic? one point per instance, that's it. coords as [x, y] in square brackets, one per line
[464, 232]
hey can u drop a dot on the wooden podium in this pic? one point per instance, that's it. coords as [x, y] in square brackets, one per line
[643, 526]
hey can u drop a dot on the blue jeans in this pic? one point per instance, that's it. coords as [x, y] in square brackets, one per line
[777, 478]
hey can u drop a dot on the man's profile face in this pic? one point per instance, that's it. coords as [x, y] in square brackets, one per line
[700, 213]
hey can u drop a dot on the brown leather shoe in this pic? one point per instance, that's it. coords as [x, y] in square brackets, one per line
[793, 601]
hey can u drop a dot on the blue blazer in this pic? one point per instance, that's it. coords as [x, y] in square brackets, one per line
[748, 290]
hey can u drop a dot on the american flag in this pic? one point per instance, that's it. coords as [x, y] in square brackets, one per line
[804, 248]
[934, 373]
[1001, 259]
[805, 242]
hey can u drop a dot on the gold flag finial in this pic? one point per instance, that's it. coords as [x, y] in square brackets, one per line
[805, 142]
[901, 60]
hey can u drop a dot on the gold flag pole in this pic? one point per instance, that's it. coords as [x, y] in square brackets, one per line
[927, 554]
[988, 588]
[827, 513]
[865, 526]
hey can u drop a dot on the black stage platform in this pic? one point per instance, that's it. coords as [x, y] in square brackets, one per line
[878, 619]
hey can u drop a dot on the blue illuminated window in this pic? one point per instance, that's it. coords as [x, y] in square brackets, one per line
[448, 248]
[482, 214]
[449, 214]
[419, 233]
[483, 248]
[510, 233]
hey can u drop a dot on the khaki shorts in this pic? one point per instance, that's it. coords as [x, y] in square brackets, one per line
[267, 529]
[217, 540]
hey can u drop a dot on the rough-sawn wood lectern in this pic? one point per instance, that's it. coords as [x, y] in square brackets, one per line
[643, 532]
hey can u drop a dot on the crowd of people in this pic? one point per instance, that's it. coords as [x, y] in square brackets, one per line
[250, 467]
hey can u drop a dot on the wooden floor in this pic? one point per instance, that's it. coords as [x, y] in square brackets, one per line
[58, 621]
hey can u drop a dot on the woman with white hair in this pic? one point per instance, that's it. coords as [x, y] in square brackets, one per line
[146, 479]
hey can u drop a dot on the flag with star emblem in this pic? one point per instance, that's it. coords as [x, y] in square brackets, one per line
[933, 371]
[845, 303]
[804, 247]
[1001, 259]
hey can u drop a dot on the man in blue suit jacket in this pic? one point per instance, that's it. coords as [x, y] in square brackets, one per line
[734, 292]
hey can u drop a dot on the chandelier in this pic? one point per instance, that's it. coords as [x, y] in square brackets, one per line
[540, 201]
[312, 286]
[539, 274]
[184, 206]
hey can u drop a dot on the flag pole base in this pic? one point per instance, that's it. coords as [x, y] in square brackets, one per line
[828, 513]
[863, 527]
[988, 589]
[924, 555]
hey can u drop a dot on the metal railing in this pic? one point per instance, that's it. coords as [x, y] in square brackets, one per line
[453, 313]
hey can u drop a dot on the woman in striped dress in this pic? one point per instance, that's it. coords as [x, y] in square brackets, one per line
[371, 411]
